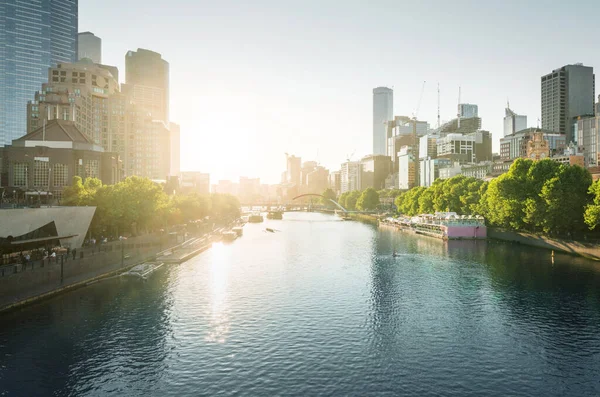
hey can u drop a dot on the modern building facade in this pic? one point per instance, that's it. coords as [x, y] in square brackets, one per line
[147, 78]
[383, 111]
[89, 46]
[375, 168]
[407, 164]
[293, 170]
[175, 149]
[430, 170]
[513, 122]
[567, 92]
[587, 139]
[34, 36]
[350, 176]
[335, 182]
[468, 110]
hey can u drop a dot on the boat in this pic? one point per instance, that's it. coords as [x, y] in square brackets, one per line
[444, 225]
[275, 215]
[229, 236]
[143, 270]
[238, 230]
[255, 218]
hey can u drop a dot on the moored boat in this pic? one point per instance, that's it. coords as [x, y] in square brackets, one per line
[444, 225]
[275, 215]
[255, 218]
[229, 236]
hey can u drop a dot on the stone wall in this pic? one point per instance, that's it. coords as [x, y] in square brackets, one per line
[588, 250]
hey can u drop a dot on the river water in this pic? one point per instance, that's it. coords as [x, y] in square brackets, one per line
[320, 308]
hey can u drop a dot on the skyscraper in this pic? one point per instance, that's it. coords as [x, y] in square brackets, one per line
[513, 122]
[89, 46]
[33, 36]
[383, 111]
[468, 110]
[567, 92]
[149, 73]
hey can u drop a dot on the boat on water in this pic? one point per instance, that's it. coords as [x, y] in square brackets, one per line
[275, 215]
[238, 230]
[444, 225]
[255, 218]
[229, 236]
[143, 270]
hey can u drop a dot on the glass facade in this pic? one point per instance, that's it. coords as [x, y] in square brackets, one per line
[60, 173]
[41, 172]
[34, 35]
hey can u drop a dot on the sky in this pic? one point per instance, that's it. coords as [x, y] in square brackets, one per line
[251, 81]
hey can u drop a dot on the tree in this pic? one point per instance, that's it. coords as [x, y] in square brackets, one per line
[351, 200]
[592, 211]
[328, 195]
[368, 200]
[342, 199]
[74, 194]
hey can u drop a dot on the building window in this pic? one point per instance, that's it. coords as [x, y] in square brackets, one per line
[92, 168]
[20, 173]
[40, 172]
[60, 174]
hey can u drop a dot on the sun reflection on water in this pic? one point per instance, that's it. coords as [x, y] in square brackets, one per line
[219, 278]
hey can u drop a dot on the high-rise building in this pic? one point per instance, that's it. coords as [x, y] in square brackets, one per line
[567, 92]
[335, 182]
[350, 178]
[375, 169]
[513, 122]
[383, 111]
[175, 149]
[293, 173]
[34, 35]
[80, 92]
[149, 74]
[89, 46]
[318, 180]
[194, 182]
[307, 168]
[467, 110]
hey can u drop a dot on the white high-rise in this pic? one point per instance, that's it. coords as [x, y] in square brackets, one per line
[513, 122]
[383, 111]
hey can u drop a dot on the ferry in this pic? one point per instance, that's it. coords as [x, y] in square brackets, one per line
[255, 218]
[444, 225]
[275, 215]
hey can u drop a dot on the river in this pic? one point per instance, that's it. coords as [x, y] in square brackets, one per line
[320, 307]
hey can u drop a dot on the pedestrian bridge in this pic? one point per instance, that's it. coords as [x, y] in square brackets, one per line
[320, 195]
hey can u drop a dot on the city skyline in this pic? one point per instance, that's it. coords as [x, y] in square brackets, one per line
[283, 81]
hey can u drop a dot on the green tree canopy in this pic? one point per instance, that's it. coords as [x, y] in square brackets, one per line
[368, 200]
[352, 199]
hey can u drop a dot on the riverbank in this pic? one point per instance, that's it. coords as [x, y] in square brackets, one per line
[40, 280]
[586, 250]
[365, 218]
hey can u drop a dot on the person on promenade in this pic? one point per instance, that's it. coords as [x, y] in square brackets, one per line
[53, 256]
[74, 253]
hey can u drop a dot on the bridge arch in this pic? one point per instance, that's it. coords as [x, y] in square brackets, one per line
[320, 195]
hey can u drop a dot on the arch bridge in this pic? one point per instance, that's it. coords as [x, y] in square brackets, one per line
[320, 195]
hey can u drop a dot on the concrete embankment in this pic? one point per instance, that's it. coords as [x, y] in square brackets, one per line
[587, 250]
[24, 284]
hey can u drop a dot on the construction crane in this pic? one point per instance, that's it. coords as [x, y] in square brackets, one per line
[349, 157]
[439, 124]
[416, 112]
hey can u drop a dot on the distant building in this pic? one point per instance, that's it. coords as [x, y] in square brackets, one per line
[47, 159]
[457, 148]
[294, 170]
[34, 35]
[428, 146]
[89, 46]
[226, 187]
[587, 132]
[175, 149]
[515, 146]
[307, 168]
[400, 133]
[537, 147]
[513, 122]
[430, 170]
[478, 171]
[350, 176]
[383, 111]
[335, 182]
[407, 174]
[249, 190]
[567, 92]
[148, 73]
[467, 110]
[449, 172]
[465, 126]
[375, 168]
[318, 180]
[194, 182]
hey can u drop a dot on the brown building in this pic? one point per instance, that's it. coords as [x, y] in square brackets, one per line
[538, 148]
[47, 159]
